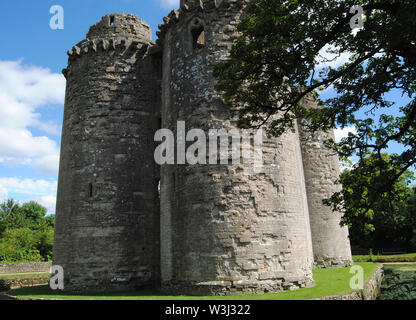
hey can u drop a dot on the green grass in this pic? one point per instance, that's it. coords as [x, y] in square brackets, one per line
[21, 261]
[329, 282]
[23, 275]
[375, 257]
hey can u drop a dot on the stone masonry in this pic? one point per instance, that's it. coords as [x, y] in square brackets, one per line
[214, 230]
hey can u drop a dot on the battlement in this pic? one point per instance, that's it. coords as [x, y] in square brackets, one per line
[86, 46]
[115, 31]
[192, 4]
[197, 7]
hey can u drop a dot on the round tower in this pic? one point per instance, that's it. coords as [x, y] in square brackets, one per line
[331, 244]
[107, 234]
[224, 228]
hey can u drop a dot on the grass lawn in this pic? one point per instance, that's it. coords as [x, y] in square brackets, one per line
[23, 275]
[331, 281]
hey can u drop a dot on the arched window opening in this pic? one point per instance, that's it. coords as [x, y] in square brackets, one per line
[197, 34]
[198, 38]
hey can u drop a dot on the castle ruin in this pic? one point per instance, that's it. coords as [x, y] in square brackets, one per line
[214, 230]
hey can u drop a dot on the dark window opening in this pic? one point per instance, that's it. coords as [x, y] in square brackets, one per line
[111, 21]
[90, 190]
[197, 33]
[198, 37]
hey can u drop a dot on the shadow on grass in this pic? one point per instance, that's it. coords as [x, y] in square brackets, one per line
[45, 292]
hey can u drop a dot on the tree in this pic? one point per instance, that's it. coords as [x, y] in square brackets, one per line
[28, 215]
[19, 245]
[9, 216]
[26, 232]
[277, 61]
[33, 213]
[377, 220]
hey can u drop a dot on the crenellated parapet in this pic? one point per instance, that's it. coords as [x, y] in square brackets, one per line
[197, 7]
[86, 46]
[115, 31]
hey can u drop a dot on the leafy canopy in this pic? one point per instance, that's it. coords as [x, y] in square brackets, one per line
[377, 220]
[286, 50]
[26, 232]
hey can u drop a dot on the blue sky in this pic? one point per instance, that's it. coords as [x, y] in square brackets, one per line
[32, 87]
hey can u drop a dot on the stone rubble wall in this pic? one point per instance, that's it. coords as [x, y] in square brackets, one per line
[331, 244]
[11, 284]
[106, 234]
[225, 229]
[219, 230]
[29, 267]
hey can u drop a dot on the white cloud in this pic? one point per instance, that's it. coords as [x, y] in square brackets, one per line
[48, 163]
[169, 4]
[3, 194]
[23, 90]
[340, 134]
[343, 133]
[49, 202]
[29, 187]
[328, 59]
[41, 191]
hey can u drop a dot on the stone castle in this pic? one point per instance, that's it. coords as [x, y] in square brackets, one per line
[214, 230]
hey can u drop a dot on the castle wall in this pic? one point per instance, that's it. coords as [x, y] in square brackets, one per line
[331, 245]
[224, 231]
[107, 228]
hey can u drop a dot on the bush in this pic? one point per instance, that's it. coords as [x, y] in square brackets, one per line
[20, 245]
[26, 232]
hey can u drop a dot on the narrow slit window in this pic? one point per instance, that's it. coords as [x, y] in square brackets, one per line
[111, 21]
[90, 190]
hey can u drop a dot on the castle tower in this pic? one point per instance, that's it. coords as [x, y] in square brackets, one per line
[224, 231]
[107, 234]
[331, 245]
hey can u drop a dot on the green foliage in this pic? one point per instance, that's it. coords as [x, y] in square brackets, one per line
[408, 257]
[26, 233]
[399, 282]
[19, 245]
[277, 62]
[377, 219]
